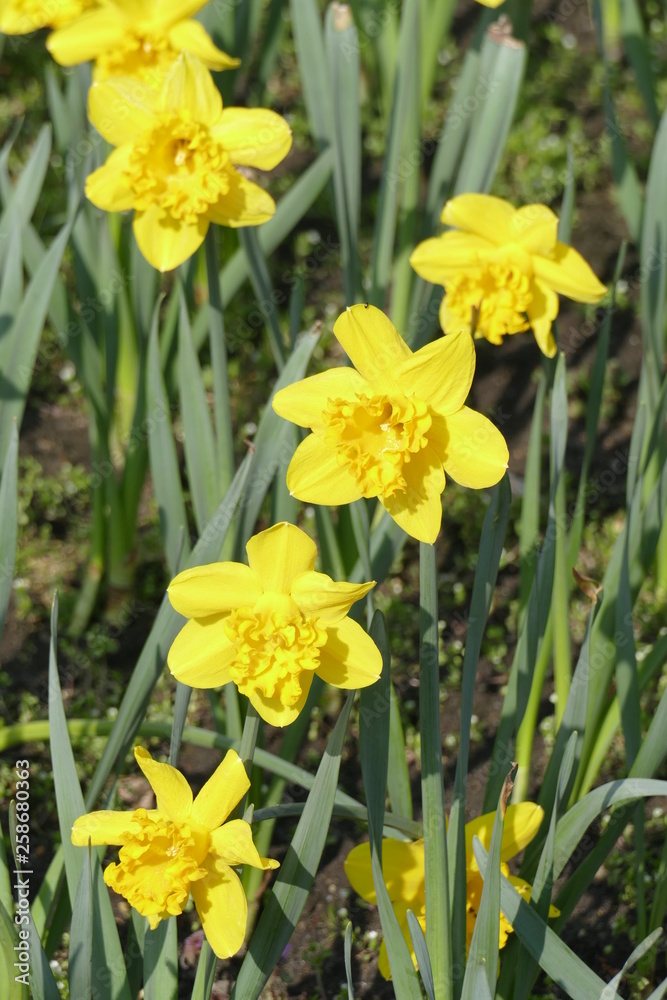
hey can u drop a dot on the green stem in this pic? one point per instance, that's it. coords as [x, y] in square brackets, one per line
[438, 936]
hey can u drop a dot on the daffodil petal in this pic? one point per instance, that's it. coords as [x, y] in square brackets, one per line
[279, 554]
[105, 826]
[441, 373]
[535, 227]
[234, 846]
[442, 257]
[164, 241]
[253, 137]
[201, 653]
[542, 311]
[274, 712]
[522, 821]
[161, 15]
[473, 451]
[122, 110]
[221, 793]
[211, 590]
[223, 910]
[402, 868]
[189, 87]
[304, 402]
[245, 204]
[321, 597]
[371, 342]
[315, 476]
[95, 32]
[107, 186]
[481, 214]
[567, 273]
[350, 658]
[192, 37]
[419, 509]
[173, 794]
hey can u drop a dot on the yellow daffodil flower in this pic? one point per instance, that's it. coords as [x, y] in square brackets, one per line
[137, 38]
[176, 160]
[182, 846]
[271, 626]
[502, 269]
[391, 426]
[403, 871]
[21, 17]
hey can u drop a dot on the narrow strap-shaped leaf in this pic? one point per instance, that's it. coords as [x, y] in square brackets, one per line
[484, 947]
[289, 894]
[421, 954]
[486, 572]
[642, 948]
[438, 935]
[17, 987]
[106, 950]
[309, 45]
[593, 405]
[222, 408]
[8, 521]
[387, 211]
[161, 962]
[205, 973]
[165, 470]
[25, 334]
[503, 62]
[398, 779]
[653, 287]
[524, 970]
[200, 449]
[343, 65]
[348, 960]
[27, 189]
[81, 940]
[264, 292]
[374, 750]
[579, 817]
[636, 48]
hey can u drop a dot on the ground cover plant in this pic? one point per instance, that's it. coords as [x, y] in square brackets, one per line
[332, 421]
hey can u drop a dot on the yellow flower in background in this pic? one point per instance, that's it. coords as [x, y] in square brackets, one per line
[176, 160]
[391, 426]
[403, 871]
[20, 17]
[182, 846]
[502, 269]
[138, 38]
[271, 626]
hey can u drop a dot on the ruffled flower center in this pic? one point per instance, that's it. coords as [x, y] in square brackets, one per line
[178, 166]
[272, 651]
[498, 294]
[374, 437]
[145, 56]
[156, 864]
